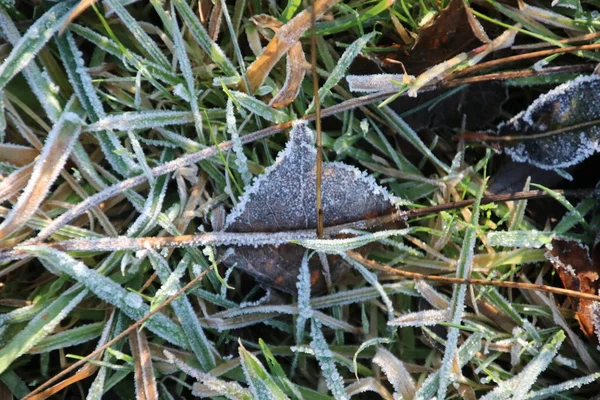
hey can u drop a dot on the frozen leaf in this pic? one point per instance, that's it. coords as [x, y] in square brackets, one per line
[377, 82]
[560, 128]
[284, 198]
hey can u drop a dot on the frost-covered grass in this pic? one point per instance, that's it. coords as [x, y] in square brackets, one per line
[129, 148]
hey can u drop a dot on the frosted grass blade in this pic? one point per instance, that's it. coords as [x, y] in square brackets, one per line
[138, 120]
[210, 47]
[518, 386]
[396, 373]
[113, 150]
[324, 356]
[185, 313]
[33, 41]
[43, 88]
[69, 337]
[186, 69]
[457, 304]
[149, 68]
[143, 39]
[106, 289]
[261, 383]
[259, 108]
[341, 67]
[40, 326]
[58, 146]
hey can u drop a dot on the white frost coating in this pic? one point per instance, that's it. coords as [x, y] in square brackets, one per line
[573, 148]
[108, 290]
[553, 390]
[396, 373]
[32, 334]
[134, 300]
[231, 390]
[86, 80]
[518, 386]
[152, 207]
[38, 84]
[181, 91]
[377, 82]
[524, 239]
[241, 161]
[141, 120]
[324, 356]
[33, 41]
[335, 246]
[305, 311]
[421, 318]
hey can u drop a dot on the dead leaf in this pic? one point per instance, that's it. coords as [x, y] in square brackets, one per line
[449, 34]
[296, 65]
[284, 199]
[286, 37]
[578, 272]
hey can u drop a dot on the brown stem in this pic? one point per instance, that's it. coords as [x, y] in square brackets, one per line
[526, 56]
[469, 281]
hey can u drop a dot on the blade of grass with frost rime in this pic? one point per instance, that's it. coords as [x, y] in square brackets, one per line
[43, 88]
[259, 108]
[147, 120]
[148, 217]
[33, 41]
[199, 33]
[108, 290]
[335, 246]
[68, 338]
[145, 382]
[147, 67]
[457, 304]
[58, 146]
[40, 326]
[186, 69]
[81, 81]
[466, 352]
[396, 373]
[554, 390]
[241, 161]
[261, 383]
[185, 313]
[140, 35]
[324, 356]
[341, 67]
[519, 385]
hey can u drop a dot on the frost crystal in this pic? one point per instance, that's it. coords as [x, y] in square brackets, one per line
[377, 82]
[134, 300]
[396, 373]
[570, 104]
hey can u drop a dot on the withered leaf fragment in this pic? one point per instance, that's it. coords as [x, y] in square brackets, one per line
[560, 128]
[284, 199]
[577, 272]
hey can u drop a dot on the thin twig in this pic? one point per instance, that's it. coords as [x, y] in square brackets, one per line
[317, 102]
[34, 394]
[469, 281]
[526, 56]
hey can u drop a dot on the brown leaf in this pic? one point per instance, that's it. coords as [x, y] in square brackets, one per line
[286, 37]
[577, 272]
[144, 373]
[284, 199]
[296, 62]
[450, 34]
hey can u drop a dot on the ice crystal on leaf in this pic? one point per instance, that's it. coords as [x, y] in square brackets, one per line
[567, 114]
[284, 199]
